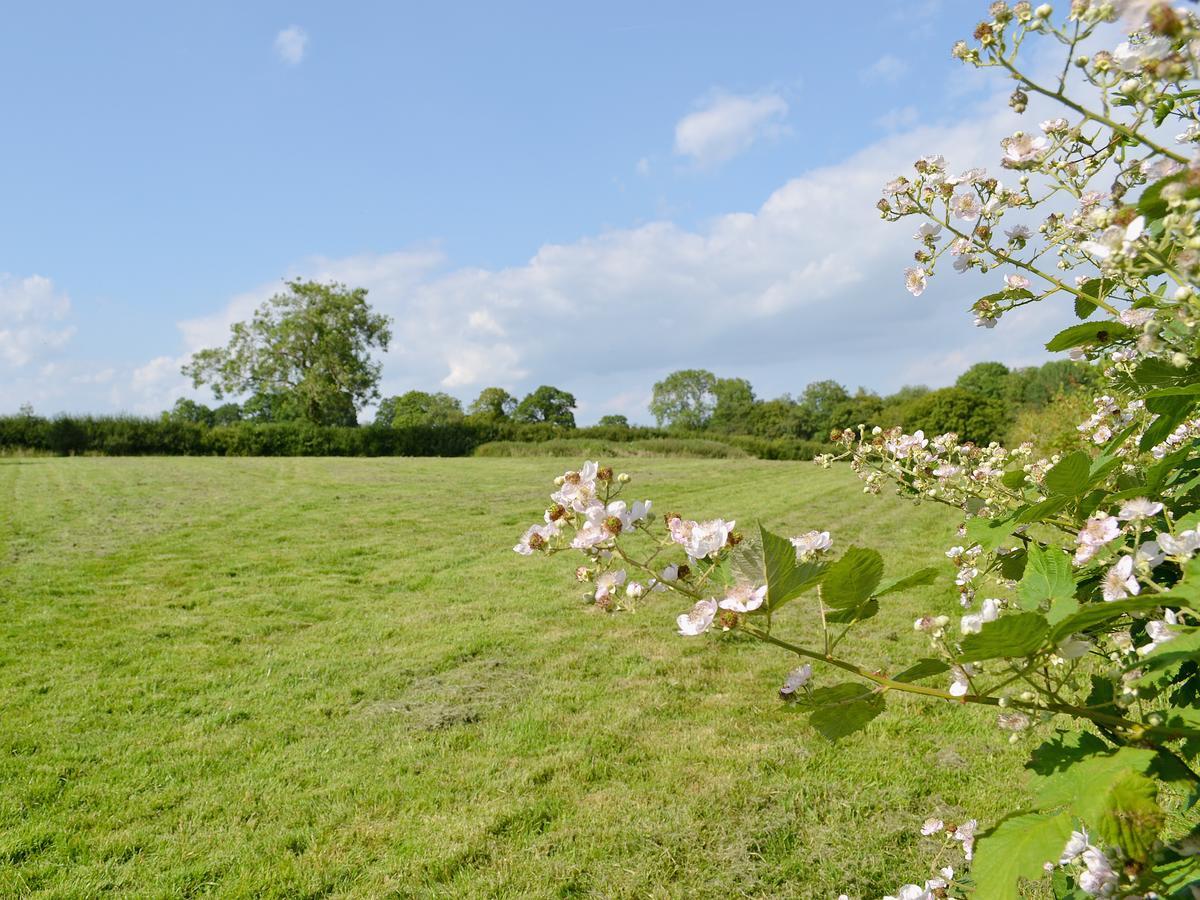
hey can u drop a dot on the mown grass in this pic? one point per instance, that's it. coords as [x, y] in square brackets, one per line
[677, 448]
[315, 677]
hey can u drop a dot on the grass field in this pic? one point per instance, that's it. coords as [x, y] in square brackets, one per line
[316, 677]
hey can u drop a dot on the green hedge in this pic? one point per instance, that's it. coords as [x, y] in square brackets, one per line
[132, 436]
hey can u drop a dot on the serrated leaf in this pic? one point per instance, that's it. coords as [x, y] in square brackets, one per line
[989, 533]
[1084, 782]
[922, 668]
[1014, 479]
[1008, 637]
[1183, 646]
[853, 614]
[1012, 565]
[771, 560]
[1171, 412]
[1069, 477]
[1184, 390]
[1086, 333]
[1047, 577]
[1097, 613]
[852, 579]
[919, 578]
[837, 718]
[1127, 814]
[1179, 875]
[1042, 510]
[1017, 848]
[1063, 751]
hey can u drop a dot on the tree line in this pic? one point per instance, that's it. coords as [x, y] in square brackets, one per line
[306, 355]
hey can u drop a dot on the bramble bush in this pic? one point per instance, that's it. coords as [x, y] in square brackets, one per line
[1077, 573]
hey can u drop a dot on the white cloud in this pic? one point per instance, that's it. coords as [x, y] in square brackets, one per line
[32, 320]
[291, 44]
[898, 119]
[886, 68]
[806, 286]
[728, 124]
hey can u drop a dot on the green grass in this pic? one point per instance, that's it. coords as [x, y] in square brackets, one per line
[313, 677]
[579, 448]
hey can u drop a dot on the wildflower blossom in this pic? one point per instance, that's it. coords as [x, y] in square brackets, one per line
[744, 598]
[1098, 531]
[697, 620]
[1119, 581]
[811, 542]
[915, 280]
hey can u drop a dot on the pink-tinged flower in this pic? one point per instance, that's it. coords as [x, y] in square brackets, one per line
[1078, 842]
[965, 206]
[670, 573]
[536, 537]
[700, 539]
[1139, 508]
[932, 826]
[966, 833]
[1159, 631]
[1150, 553]
[607, 583]
[744, 598]
[906, 444]
[811, 542]
[1098, 531]
[946, 470]
[635, 589]
[1054, 126]
[1018, 233]
[1023, 148]
[1135, 318]
[1099, 879]
[960, 684]
[1016, 282]
[698, 619]
[578, 489]
[915, 280]
[1119, 582]
[1182, 546]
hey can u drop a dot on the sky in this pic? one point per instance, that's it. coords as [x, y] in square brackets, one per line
[588, 196]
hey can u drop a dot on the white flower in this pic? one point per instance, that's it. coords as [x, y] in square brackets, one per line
[972, 623]
[932, 826]
[1159, 631]
[1018, 233]
[928, 230]
[1099, 880]
[536, 537]
[701, 539]
[608, 582]
[1022, 148]
[915, 280]
[1135, 318]
[1182, 545]
[634, 589]
[1139, 508]
[965, 206]
[960, 685]
[904, 445]
[811, 542]
[1016, 282]
[698, 619]
[1073, 647]
[1079, 841]
[578, 488]
[796, 679]
[670, 573]
[744, 598]
[1131, 56]
[1119, 582]
[1054, 126]
[1150, 554]
[1098, 531]
[966, 833]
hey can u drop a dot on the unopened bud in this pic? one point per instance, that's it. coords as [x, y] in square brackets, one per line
[560, 481]
[1044, 11]
[624, 478]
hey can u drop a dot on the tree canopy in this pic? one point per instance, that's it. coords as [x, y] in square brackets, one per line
[305, 354]
[684, 399]
[547, 404]
[494, 403]
[418, 408]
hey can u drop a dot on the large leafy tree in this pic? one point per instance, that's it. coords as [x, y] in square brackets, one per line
[547, 404]
[734, 408]
[684, 399]
[493, 403]
[306, 354]
[988, 379]
[419, 408]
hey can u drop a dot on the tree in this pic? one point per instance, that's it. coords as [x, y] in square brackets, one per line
[493, 403]
[418, 408]
[777, 418]
[547, 404]
[684, 399]
[227, 414]
[305, 354]
[186, 410]
[972, 417]
[819, 401]
[614, 420]
[734, 407]
[988, 379]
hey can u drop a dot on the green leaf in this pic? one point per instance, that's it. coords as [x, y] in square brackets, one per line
[1171, 412]
[1018, 848]
[1070, 475]
[852, 579]
[1064, 750]
[1086, 333]
[1129, 815]
[1012, 565]
[1185, 390]
[1042, 510]
[922, 668]
[1009, 636]
[1047, 577]
[853, 614]
[1184, 646]
[989, 533]
[1014, 479]
[771, 560]
[1081, 785]
[843, 709]
[1097, 613]
[1178, 875]
[919, 578]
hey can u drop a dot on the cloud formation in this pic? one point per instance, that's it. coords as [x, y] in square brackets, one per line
[32, 320]
[806, 286]
[291, 44]
[727, 125]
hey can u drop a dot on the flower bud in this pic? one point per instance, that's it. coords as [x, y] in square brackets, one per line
[1130, 86]
[560, 481]
[624, 478]
[1044, 11]
[1018, 101]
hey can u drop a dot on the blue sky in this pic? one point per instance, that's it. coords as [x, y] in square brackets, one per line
[537, 192]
